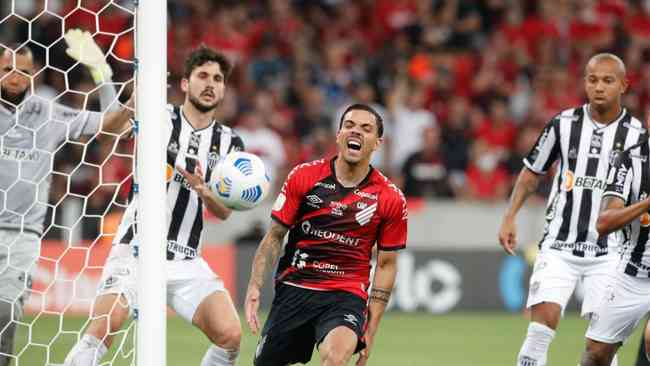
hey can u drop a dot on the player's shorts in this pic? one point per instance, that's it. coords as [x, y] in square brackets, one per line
[301, 318]
[19, 252]
[556, 274]
[625, 302]
[189, 282]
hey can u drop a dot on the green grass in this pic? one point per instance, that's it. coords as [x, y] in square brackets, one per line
[457, 339]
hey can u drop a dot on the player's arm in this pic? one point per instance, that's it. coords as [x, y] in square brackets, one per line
[613, 212]
[265, 258]
[382, 287]
[210, 200]
[615, 215]
[537, 163]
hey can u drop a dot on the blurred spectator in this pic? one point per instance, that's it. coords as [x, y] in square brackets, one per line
[425, 173]
[487, 179]
[261, 141]
[407, 105]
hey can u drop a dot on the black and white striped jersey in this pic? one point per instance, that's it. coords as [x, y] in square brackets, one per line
[583, 149]
[629, 179]
[185, 147]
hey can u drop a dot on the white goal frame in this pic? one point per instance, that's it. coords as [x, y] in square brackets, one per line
[151, 99]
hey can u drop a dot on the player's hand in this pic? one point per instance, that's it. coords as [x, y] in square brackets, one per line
[364, 354]
[195, 180]
[508, 236]
[251, 305]
[82, 48]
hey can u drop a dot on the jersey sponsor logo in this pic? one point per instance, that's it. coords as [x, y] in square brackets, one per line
[308, 229]
[15, 154]
[173, 147]
[621, 175]
[578, 246]
[364, 216]
[361, 205]
[329, 186]
[314, 201]
[169, 173]
[279, 202]
[370, 196]
[176, 247]
[337, 208]
[587, 182]
[178, 178]
[573, 153]
[568, 180]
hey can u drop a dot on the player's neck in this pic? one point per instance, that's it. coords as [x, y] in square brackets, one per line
[350, 175]
[195, 117]
[605, 116]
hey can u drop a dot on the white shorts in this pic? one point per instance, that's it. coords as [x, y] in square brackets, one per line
[556, 275]
[189, 282]
[18, 255]
[625, 302]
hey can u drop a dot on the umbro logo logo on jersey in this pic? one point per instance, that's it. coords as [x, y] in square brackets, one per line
[314, 201]
[352, 319]
[364, 216]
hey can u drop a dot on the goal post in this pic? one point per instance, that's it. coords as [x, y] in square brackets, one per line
[151, 99]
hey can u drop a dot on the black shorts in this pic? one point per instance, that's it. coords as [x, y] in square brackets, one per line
[301, 318]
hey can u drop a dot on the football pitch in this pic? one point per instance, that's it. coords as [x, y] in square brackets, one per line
[456, 339]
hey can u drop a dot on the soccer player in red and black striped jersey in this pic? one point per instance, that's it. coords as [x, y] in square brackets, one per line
[334, 210]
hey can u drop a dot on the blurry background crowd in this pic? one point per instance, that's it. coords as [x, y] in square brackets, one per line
[465, 87]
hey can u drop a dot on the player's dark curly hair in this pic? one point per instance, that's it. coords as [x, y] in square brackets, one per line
[367, 108]
[204, 54]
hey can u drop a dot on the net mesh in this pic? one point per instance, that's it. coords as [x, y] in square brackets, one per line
[90, 175]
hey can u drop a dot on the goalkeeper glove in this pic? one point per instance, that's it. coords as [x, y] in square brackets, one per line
[82, 48]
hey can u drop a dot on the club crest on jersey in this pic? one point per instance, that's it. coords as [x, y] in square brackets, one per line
[213, 159]
[596, 141]
[364, 216]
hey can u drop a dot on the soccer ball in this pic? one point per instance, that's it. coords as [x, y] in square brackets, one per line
[240, 182]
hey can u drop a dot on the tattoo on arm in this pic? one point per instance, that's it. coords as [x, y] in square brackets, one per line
[380, 295]
[267, 253]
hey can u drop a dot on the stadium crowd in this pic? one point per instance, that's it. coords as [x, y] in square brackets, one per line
[464, 86]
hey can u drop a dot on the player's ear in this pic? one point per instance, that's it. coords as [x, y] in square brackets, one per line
[378, 143]
[185, 84]
[624, 83]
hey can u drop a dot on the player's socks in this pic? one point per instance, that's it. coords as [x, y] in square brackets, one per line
[535, 348]
[217, 356]
[614, 361]
[87, 352]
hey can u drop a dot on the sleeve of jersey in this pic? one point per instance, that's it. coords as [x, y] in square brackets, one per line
[286, 206]
[393, 230]
[237, 144]
[619, 179]
[79, 122]
[546, 150]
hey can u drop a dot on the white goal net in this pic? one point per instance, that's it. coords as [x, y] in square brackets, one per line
[61, 181]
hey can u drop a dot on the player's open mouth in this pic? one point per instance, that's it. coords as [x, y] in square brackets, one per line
[354, 145]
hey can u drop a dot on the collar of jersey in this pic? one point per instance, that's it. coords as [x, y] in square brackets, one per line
[184, 119]
[336, 180]
[594, 123]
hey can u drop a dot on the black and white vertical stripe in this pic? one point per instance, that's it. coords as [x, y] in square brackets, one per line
[583, 149]
[628, 180]
[187, 147]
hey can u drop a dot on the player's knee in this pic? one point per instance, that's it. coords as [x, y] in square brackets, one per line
[229, 337]
[597, 353]
[335, 354]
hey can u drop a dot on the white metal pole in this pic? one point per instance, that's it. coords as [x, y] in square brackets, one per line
[151, 98]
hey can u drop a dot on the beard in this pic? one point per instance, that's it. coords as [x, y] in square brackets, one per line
[12, 98]
[202, 107]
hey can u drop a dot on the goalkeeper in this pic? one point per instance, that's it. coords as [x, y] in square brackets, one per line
[29, 138]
